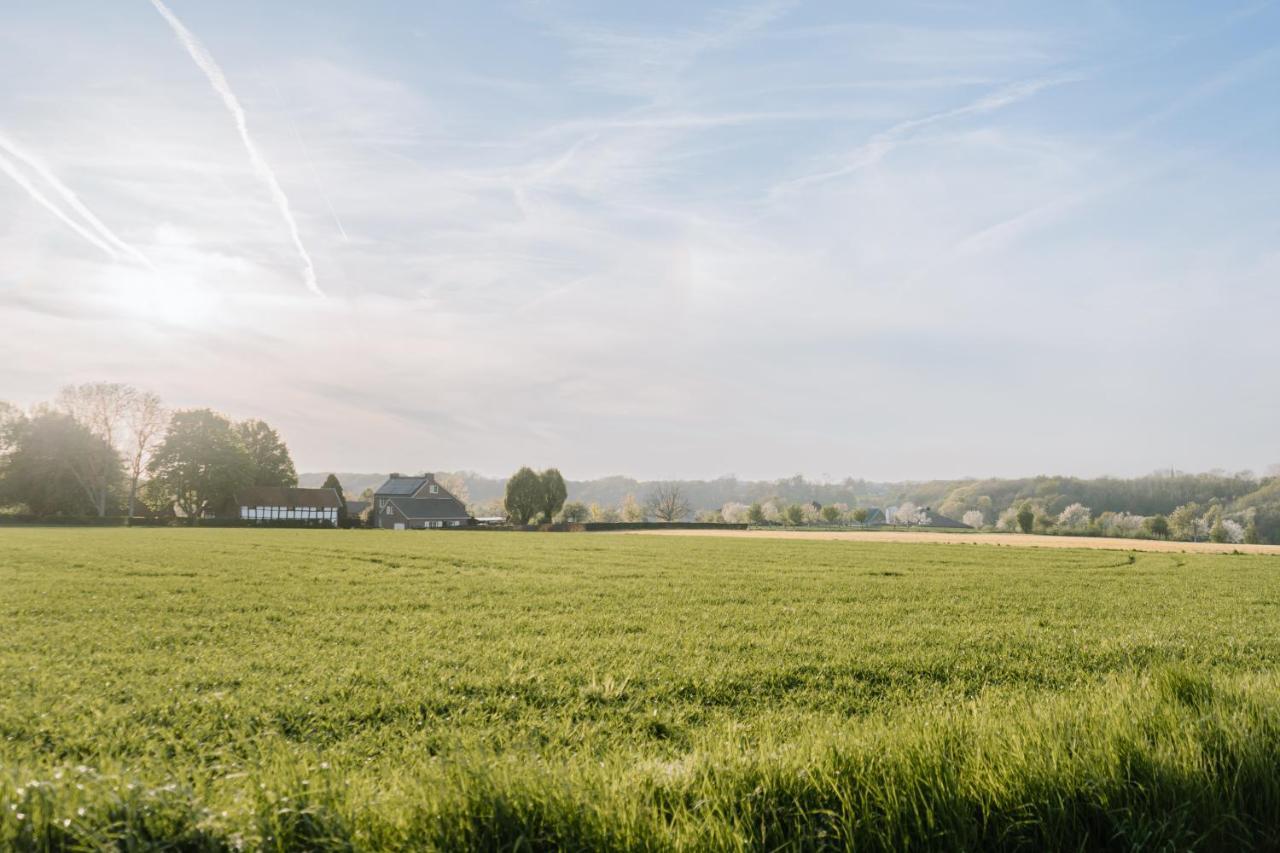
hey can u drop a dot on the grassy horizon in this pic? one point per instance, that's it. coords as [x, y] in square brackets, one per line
[215, 689]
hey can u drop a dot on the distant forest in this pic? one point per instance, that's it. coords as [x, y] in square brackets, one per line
[1158, 493]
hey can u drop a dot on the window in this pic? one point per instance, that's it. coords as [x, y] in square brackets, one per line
[435, 490]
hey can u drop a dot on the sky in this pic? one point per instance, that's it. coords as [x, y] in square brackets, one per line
[889, 240]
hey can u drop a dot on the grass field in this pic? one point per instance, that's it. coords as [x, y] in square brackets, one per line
[243, 689]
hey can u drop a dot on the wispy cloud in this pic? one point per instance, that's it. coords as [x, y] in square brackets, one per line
[201, 56]
[884, 142]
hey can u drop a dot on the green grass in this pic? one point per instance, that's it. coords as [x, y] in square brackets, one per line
[225, 689]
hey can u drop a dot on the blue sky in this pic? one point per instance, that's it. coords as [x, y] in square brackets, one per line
[889, 240]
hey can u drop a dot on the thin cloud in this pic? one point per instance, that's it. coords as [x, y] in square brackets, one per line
[202, 58]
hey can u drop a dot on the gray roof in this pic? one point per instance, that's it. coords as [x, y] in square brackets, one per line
[289, 498]
[433, 509]
[402, 486]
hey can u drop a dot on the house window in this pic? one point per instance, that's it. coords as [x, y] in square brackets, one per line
[435, 489]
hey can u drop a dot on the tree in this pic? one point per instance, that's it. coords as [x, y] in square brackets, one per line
[974, 518]
[1232, 531]
[145, 423]
[200, 463]
[793, 515]
[909, 514]
[574, 512]
[861, 514]
[1026, 518]
[99, 407]
[332, 482]
[58, 466]
[455, 484]
[667, 502]
[554, 493]
[1185, 522]
[831, 513]
[735, 513]
[129, 420]
[632, 511]
[604, 514]
[1075, 517]
[1251, 532]
[524, 496]
[1157, 526]
[268, 455]
[755, 514]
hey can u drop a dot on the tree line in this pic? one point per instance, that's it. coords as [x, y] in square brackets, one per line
[102, 448]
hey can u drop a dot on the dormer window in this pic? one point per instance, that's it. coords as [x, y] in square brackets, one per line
[435, 489]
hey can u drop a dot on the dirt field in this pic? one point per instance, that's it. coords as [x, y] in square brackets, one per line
[1019, 540]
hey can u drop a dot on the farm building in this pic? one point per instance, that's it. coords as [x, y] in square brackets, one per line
[279, 503]
[417, 503]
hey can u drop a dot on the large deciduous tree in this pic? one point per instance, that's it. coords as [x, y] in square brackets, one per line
[667, 502]
[524, 498]
[58, 466]
[268, 454]
[554, 493]
[100, 407]
[200, 463]
[129, 420]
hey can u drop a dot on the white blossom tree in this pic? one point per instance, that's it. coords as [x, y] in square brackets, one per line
[772, 511]
[974, 518]
[910, 514]
[1075, 517]
[1234, 531]
[734, 512]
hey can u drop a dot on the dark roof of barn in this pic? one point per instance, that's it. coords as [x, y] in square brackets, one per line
[431, 509]
[288, 498]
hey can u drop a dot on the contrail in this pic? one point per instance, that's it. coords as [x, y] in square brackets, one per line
[7, 166]
[315, 176]
[72, 199]
[220, 85]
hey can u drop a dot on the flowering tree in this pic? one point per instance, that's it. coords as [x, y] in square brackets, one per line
[1075, 517]
[974, 518]
[909, 513]
[734, 513]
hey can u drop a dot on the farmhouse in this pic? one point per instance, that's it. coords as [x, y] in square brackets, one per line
[278, 503]
[416, 503]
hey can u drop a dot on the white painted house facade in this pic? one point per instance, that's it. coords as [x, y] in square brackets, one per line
[275, 503]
